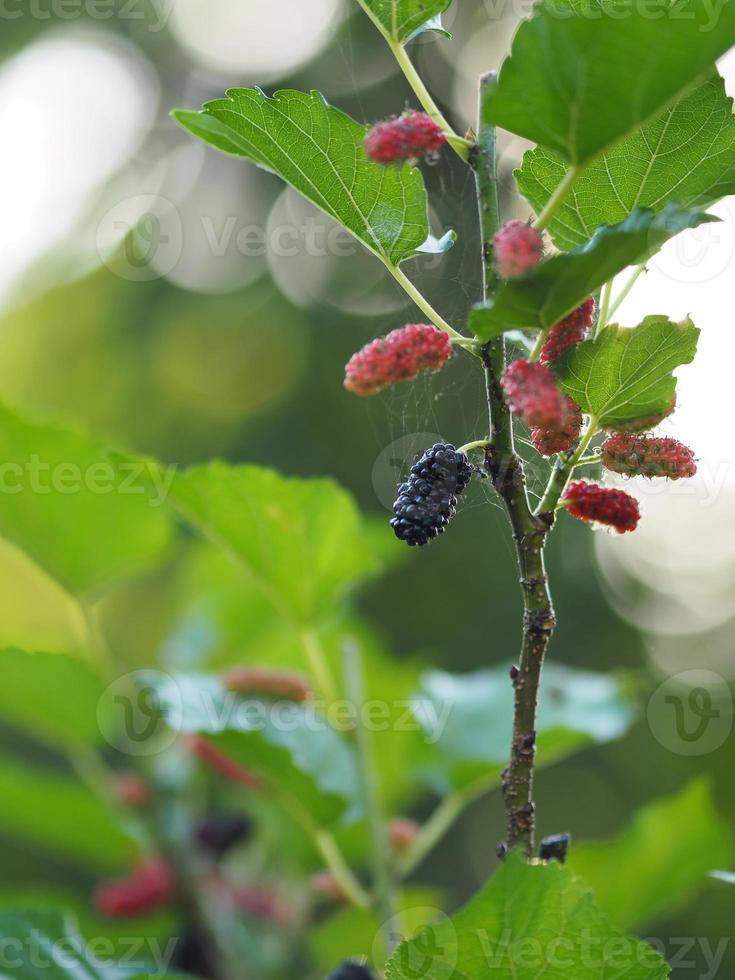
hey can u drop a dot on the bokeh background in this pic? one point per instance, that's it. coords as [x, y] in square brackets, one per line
[186, 305]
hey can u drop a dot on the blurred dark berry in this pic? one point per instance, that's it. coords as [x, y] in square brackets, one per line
[351, 971]
[555, 848]
[218, 832]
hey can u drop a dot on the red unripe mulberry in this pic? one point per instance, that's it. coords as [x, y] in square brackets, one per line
[282, 684]
[407, 137]
[638, 455]
[401, 833]
[559, 438]
[205, 750]
[518, 248]
[131, 789]
[532, 394]
[150, 886]
[602, 505]
[646, 422]
[572, 330]
[324, 884]
[400, 356]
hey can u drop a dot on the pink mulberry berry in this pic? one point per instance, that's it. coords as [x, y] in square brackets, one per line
[573, 329]
[265, 681]
[205, 750]
[646, 422]
[150, 886]
[602, 505]
[638, 455]
[408, 137]
[402, 832]
[518, 248]
[559, 438]
[532, 393]
[131, 789]
[399, 356]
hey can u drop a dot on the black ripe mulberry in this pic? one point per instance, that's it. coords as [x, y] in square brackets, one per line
[428, 499]
[351, 971]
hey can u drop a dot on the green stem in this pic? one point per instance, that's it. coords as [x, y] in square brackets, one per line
[626, 290]
[319, 665]
[604, 306]
[557, 198]
[563, 469]
[338, 867]
[529, 531]
[459, 144]
[371, 799]
[423, 304]
[477, 444]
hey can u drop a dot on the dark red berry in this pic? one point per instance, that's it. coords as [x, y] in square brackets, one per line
[517, 247]
[559, 438]
[602, 505]
[532, 394]
[283, 684]
[640, 455]
[400, 356]
[150, 886]
[408, 137]
[569, 332]
[219, 832]
[428, 499]
[203, 749]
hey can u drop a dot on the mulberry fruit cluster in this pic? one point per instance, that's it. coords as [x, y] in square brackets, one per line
[400, 356]
[559, 438]
[646, 422]
[518, 248]
[639, 455]
[572, 330]
[602, 505]
[150, 886]
[532, 394]
[408, 137]
[428, 499]
[264, 681]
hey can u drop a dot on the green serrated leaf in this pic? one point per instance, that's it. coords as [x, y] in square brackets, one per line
[402, 20]
[528, 921]
[468, 720]
[319, 151]
[686, 154]
[47, 945]
[626, 373]
[60, 815]
[84, 520]
[51, 695]
[301, 540]
[558, 285]
[291, 746]
[669, 868]
[583, 75]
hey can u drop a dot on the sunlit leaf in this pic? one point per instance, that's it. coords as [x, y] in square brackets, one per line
[83, 519]
[668, 850]
[686, 154]
[319, 151]
[400, 20]
[627, 373]
[52, 696]
[529, 921]
[584, 74]
[291, 746]
[468, 719]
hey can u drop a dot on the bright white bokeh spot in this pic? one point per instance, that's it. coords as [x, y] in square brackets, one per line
[73, 110]
[257, 40]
